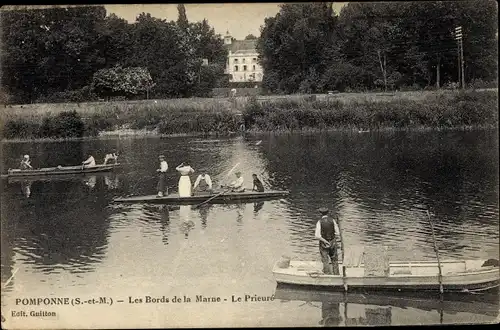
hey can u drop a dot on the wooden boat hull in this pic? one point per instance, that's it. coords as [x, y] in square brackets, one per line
[486, 304]
[458, 276]
[229, 197]
[55, 171]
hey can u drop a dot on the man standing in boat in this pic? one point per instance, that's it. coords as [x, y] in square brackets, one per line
[326, 231]
[162, 180]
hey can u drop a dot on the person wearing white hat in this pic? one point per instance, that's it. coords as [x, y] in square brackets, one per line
[237, 185]
[326, 233]
[25, 163]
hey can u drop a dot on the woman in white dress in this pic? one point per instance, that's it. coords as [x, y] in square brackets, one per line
[184, 180]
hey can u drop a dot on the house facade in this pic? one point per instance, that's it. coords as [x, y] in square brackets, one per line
[241, 62]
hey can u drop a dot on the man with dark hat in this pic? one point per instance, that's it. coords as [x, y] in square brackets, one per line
[326, 231]
[162, 180]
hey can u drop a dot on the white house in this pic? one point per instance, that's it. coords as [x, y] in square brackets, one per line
[241, 62]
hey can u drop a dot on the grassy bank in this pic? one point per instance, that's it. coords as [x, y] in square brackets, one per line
[441, 109]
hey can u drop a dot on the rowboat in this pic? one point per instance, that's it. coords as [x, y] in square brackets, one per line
[457, 276]
[214, 198]
[485, 304]
[59, 170]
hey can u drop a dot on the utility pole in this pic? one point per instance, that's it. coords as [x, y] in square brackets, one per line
[460, 51]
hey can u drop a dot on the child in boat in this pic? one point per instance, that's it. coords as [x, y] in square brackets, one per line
[25, 163]
[257, 184]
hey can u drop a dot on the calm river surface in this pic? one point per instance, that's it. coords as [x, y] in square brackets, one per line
[68, 239]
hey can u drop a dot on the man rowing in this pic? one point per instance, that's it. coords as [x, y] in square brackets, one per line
[237, 185]
[25, 163]
[90, 162]
[326, 231]
[203, 183]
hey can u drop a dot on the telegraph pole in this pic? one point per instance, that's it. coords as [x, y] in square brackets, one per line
[460, 51]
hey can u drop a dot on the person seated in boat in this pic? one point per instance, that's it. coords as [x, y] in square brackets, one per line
[237, 185]
[90, 162]
[25, 163]
[111, 158]
[162, 180]
[184, 181]
[203, 183]
[326, 232]
[257, 184]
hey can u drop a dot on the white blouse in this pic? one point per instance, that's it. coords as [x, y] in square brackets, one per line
[185, 170]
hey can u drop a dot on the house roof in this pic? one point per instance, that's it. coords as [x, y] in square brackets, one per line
[243, 46]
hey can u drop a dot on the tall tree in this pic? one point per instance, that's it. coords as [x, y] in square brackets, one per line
[182, 20]
[295, 46]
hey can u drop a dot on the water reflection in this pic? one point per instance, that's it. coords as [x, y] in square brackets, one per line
[165, 223]
[381, 308]
[257, 207]
[204, 210]
[26, 188]
[60, 225]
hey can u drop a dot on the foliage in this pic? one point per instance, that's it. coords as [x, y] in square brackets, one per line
[122, 81]
[377, 45]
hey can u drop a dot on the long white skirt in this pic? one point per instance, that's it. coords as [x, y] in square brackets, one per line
[184, 186]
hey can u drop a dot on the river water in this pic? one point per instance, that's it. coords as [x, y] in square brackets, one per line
[67, 239]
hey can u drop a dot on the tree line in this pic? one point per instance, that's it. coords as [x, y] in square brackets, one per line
[308, 48]
[80, 54]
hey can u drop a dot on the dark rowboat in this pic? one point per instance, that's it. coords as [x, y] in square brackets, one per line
[59, 170]
[215, 198]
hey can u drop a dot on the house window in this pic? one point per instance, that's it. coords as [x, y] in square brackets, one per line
[244, 68]
[254, 59]
[235, 60]
[253, 67]
[243, 60]
[235, 68]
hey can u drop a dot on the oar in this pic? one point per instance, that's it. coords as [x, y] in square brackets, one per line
[223, 192]
[344, 275]
[440, 275]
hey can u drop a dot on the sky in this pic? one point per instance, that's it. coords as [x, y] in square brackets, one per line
[241, 19]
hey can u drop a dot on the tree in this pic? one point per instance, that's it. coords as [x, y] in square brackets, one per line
[296, 45]
[250, 37]
[48, 50]
[156, 39]
[182, 20]
[119, 81]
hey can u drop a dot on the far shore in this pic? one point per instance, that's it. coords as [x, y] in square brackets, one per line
[357, 112]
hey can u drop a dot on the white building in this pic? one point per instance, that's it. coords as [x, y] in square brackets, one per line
[242, 63]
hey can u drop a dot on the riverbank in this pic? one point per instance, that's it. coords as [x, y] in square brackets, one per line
[409, 110]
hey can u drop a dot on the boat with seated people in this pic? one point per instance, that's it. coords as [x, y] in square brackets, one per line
[58, 170]
[213, 198]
